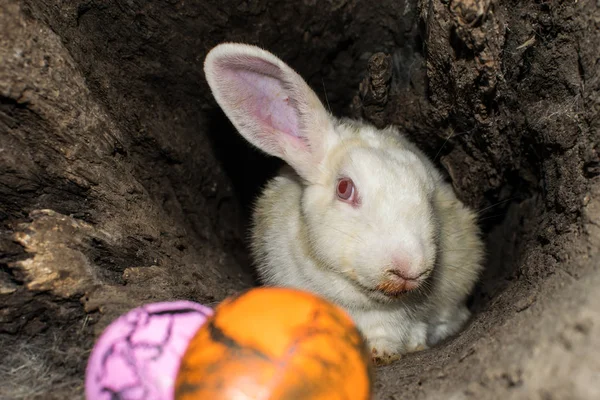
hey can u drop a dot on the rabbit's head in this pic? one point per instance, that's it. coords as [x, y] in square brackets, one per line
[367, 201]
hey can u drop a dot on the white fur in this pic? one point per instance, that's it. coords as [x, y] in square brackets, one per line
[305, 237]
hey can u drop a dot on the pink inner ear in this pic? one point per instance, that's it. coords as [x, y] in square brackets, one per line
[261, 96]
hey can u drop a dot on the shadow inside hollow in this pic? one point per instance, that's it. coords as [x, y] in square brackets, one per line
[247, 168]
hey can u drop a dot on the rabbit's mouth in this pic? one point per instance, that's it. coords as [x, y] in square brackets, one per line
[393, 286]
[397, 283]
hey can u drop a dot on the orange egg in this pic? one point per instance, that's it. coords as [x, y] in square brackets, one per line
[275, 344]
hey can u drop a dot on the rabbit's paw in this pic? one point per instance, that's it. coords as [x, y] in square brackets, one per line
[447, 324]
[383, 356]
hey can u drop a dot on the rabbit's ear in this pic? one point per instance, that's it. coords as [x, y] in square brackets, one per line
[270, 105]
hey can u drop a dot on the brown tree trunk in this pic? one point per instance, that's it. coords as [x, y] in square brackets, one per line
[121, 182]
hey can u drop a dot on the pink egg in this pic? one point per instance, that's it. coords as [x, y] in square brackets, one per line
[138, 355]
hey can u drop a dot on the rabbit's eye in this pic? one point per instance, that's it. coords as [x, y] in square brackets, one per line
[345, 189]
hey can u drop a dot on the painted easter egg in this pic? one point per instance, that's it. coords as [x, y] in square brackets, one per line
[276, 343]
[138, 355]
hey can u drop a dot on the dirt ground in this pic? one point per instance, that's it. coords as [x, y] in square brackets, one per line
[122, 183]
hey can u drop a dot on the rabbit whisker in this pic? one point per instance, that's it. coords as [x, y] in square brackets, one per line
[325, 92]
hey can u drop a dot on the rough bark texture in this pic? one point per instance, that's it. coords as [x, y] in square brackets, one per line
[121, 182]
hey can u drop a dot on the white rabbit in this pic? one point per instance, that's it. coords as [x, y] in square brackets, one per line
[362, 217]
